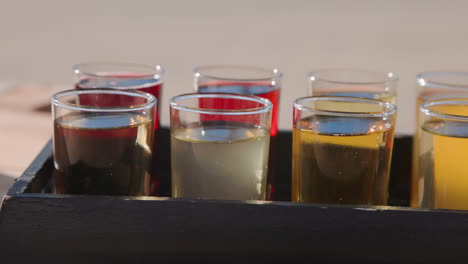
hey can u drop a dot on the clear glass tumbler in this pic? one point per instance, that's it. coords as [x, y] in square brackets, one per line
[103, 150]
[219, 146]
[342, 149]
[432, 85]
[123, 76]
[262, 82]
[443, 154]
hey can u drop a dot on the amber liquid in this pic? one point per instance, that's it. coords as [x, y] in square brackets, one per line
[341, 168]
[102, 154]
[417, 179]
[443, 160]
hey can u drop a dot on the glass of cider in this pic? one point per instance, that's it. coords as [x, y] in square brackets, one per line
[442, 153]
[353, 83]
[103, 150]
[219, 146]
[432, 85]
[342, 148]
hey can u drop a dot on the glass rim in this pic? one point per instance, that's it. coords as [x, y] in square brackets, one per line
[388, 109]
[390, 78]
[200, 71]
[425, 108]
[424, 79]
[267, 104]
[151, 100]
[157, 70]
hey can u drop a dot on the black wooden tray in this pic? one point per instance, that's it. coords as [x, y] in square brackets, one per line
[46, 228]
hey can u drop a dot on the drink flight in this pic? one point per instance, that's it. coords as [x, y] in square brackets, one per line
[221, 138]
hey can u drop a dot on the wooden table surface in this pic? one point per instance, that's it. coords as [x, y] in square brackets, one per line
[25, 126]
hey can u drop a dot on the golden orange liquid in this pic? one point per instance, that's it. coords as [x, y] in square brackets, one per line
[342, 169]
[442, 180]
[417, 179]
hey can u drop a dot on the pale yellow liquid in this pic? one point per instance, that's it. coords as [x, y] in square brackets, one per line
[443, 161]
[219, 161]
[341, 168]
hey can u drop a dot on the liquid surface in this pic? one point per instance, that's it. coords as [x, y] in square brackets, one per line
[376, 95]
[103, 153]
[219, 160]
[119, 81]
[341, 160]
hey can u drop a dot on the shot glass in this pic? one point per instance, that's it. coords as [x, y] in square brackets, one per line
[342, 149]
[432, 86]
[262, 82]
[123, 76]
[443, 154]
[103, 150]
[219, 146]
[353, 83]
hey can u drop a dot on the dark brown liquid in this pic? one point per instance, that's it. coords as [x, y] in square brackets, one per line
[103, 154]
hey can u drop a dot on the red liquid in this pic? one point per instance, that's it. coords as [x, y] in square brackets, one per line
[126, 82]
[264, 90]
[150, 86]
[230, 104]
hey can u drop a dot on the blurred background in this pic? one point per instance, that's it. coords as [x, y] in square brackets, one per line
[40, 41]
